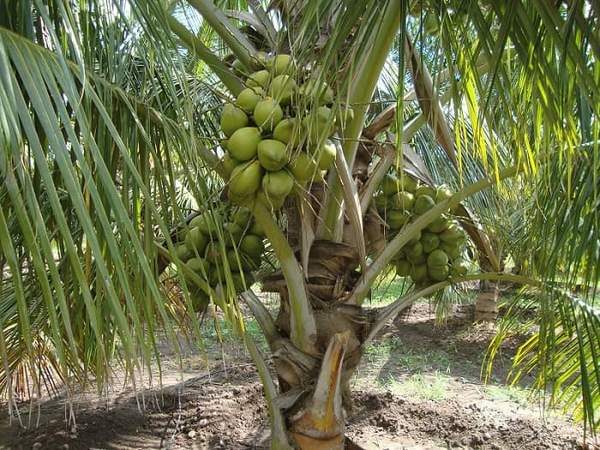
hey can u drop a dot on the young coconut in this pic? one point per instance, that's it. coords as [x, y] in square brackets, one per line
[318, 90]
[403, 268]
[277, 184]
[253, 246]
[243, 144]
[228, 163]
[196, 239]
[232, 119]
[303, 167]
[437, 258]
[319, 125]
[183, 252]
[246, 178]
[272, 154]
[423, 203]
[270, 201]
[282, 64]
[419, 273]
[404, 200]
[267, 114]
[258, 79]
[326, 155]
[248, 98]
[199, 266]
[438, 273]
[282, 88]
[397, 219]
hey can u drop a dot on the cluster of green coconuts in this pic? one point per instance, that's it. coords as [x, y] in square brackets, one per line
[436, 253]
[203, 253]
[277, 133]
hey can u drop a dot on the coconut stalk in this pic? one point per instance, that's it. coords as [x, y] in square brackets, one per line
[360, 94]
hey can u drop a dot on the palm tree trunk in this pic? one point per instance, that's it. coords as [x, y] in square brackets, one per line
[314, 395]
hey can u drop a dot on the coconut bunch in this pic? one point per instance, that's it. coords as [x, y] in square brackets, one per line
[436, 253]
[277, 132]
[202, 252]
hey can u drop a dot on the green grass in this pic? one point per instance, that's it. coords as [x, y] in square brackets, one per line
[433, 386]
[509, 393]
[388, 288]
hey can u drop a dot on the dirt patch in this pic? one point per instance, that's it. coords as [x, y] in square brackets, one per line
[450, 424]
[225, 409]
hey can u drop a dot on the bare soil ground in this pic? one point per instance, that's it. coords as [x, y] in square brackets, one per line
[418, 387]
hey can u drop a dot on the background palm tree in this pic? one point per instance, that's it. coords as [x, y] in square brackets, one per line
[110, 138]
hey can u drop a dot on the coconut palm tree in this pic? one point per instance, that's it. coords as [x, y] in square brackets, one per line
[112, 121]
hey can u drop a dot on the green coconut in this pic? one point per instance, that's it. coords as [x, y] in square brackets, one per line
[414, 251]
[319, 125]
[213, 253]
[425, 190]
[452, 234]
[407, 183]
[284, 131]
[206, 221]
[437, 258]
[267, 114]
[270, 201]
[451, 249]
[261, 58]
[183, 252]
[404, 200]
[416, 239]
[459, 268]
[246, 178]
[282, 64]
[248, 98]
[303, 167]
[430, 241]
[235, 260]
[442, 193]
[326, 155]
[282, 88]
[418, 272]
[242, 217]
[403, 268]
[438, 273]
[196, 239]
[277, 184]
[382, 202]
[423, 203]
[397, 219]
[198, 265]
[272, 154]
[232, 118]
[318, 91]
[234, 230]
[258, 79]
[253, 246]
[243, 200]
[389, 185]
[243, 144]
[228, 163]
[439, 224]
